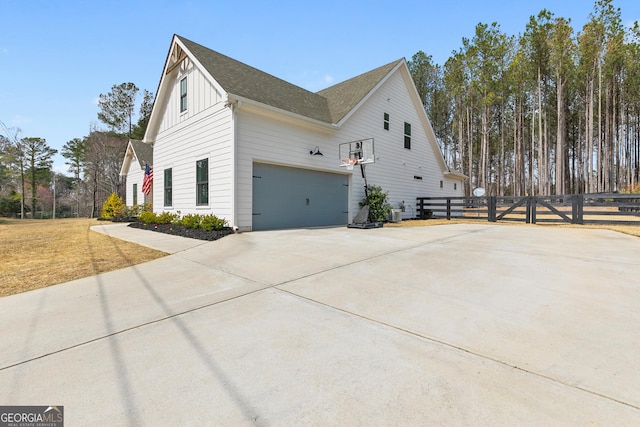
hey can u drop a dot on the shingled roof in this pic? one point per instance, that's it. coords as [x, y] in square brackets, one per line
[143, 152]
[343, 97]
[329, 105]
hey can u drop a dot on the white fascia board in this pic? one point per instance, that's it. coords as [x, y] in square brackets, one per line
[128, 156]
[368, 95]
[455, 175]
[160, 93]
[166, 83]
[202, 69]
[242, 101]
[431, 135]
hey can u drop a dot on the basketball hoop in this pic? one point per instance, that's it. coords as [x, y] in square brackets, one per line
[358, 152]
[349, 163]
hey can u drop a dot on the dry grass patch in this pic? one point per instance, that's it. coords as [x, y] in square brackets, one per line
[40, 253]
[633, 230]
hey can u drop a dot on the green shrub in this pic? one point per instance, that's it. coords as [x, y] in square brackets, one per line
[191, 221]
[128, 213]
[153, 218]
[205, 222]
[148, 217]
[112, 207]
[212, 222]
[379, 208]
[10, 205]
[167, 218]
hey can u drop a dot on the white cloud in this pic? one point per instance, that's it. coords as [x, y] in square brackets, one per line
[61, 168]
[313, 80]
[19, 121]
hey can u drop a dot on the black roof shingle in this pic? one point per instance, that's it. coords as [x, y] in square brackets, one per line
[329, 105]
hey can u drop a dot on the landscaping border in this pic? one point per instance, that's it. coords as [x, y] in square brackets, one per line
[179, 230]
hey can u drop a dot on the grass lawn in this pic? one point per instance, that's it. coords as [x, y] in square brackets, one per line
[40, 253]
[633, 230]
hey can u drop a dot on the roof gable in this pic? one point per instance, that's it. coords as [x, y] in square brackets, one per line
[242, 80]
[330, 106]
[143, 152]
[344, 97]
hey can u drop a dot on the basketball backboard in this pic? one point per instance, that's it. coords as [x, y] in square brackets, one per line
[356, 152]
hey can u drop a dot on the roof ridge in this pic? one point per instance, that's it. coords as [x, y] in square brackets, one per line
[244, 80]
[246, 65]
[390, 64]
[328, 105]
[344, 96]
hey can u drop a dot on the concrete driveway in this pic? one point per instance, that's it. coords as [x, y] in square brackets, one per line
[449, 325]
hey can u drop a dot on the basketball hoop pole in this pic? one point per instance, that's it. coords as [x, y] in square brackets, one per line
[364, 177]
[359, 152]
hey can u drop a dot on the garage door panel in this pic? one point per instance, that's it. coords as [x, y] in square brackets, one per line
[285, 197]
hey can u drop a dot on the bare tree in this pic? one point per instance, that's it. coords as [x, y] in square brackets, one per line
[102, 162]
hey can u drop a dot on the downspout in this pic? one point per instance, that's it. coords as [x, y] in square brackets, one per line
[233, 106]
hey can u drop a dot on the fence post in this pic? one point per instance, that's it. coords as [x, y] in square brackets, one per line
[527, 218]
[449, 208]
[580, 208]
[533, 209]
[492, 209]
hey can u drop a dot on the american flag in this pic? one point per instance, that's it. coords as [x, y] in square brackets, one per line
[148, 180]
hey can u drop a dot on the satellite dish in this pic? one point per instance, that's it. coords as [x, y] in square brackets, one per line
[478, 192]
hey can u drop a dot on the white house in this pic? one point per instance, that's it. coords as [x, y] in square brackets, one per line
[136, 158]
[234, 141]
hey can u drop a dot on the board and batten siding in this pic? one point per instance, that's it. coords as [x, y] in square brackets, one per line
[201, 95]
[204, 131]
[396, 166]
[135, 175]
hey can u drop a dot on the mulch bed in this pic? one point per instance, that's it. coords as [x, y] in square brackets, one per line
[179, 230]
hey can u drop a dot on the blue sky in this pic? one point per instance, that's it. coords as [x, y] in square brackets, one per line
[56, 57]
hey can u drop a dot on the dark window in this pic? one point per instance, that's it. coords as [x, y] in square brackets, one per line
[407, 135]
[455, 186]
[135, 194]
[440, 184]
[168, 178]
[183, 95]
[386, 121]
[202, 182]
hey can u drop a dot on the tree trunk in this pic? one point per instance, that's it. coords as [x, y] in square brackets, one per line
[541, 154]
[588, 167]
[560, 130]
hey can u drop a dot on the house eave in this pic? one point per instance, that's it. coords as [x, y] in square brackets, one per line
[242, 102]
[455, 175]
[128, 157]
[373, 90]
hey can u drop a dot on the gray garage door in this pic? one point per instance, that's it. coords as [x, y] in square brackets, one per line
[286, 197]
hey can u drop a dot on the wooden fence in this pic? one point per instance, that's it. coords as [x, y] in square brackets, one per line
[574, 209]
